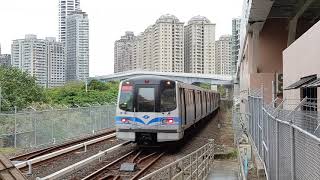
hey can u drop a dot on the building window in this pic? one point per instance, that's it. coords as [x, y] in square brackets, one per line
[311, 94]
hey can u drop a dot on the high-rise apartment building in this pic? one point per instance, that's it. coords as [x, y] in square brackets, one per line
[77, 46]
[56, 62]
[147, 49]
[123, 53]
[168, 46]
[199, 49]
[66, 7]
[235, 43]
[43, 59]
[223, 55]
[159, 48]
[138, 53]
[5, 59]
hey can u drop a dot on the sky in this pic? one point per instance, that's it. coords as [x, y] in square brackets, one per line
[108, 21]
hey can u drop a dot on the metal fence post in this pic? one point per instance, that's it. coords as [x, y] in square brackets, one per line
[35, 128]
[52, 132]
[293, 159]
[277, 149]
[211, 155]
[197, 170]
[108, 120]
[91, 119]
[15, 126]
[100, 116]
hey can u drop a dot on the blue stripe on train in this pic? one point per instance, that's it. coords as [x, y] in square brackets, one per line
[152, 121]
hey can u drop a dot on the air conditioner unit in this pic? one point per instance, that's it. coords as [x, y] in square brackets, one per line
[279, 83]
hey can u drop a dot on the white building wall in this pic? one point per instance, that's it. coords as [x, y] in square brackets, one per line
[301, 59]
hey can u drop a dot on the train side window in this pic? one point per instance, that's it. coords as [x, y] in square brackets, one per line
[189, 99]
[187, 96]
[192, 96]
[168, 97]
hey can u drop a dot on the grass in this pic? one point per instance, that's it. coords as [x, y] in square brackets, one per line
[8, 150]
[231, 155]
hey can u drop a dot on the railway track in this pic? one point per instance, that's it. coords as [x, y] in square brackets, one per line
[42, 156]
[40, 152]
[129, 166]
[74, 167]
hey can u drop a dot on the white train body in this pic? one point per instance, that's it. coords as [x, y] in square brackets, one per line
[158, 109]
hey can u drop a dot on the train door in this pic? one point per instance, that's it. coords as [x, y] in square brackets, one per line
[201, 105]
[187, 103]
[194, 105]
[208, 102]
[145, 106]
[205, 102]
[182, 105]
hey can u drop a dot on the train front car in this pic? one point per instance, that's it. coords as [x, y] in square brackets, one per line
[147, 110]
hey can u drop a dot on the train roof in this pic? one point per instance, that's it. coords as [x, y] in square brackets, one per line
[156, 79]
[149, 77]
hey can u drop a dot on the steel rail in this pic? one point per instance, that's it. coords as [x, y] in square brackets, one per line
[144, 169]
[62, 151]
[82, 163]
[33, 154]
[94, 174]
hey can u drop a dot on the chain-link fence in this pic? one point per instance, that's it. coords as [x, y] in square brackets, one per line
[35, 128]
[286, 137]
[240, 124]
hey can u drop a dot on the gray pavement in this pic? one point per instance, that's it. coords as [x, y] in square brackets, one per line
[224, 170]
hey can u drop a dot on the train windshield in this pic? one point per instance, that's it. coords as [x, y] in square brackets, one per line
[126, 98]
[168, 96]
[146, 99]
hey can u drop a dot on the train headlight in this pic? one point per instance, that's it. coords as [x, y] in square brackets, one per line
[168, 121]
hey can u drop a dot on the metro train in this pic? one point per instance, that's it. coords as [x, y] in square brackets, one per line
[153, 109]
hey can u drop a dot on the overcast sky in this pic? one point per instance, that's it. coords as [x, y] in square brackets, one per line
[108, 20]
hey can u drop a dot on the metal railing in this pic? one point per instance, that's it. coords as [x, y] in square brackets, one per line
[196, 165]
[285, 137]
[35, 128]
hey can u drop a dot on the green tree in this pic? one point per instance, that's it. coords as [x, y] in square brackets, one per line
[19, 89]
[97, 85]
[74, 93]
[205, 85]
[222, 90]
